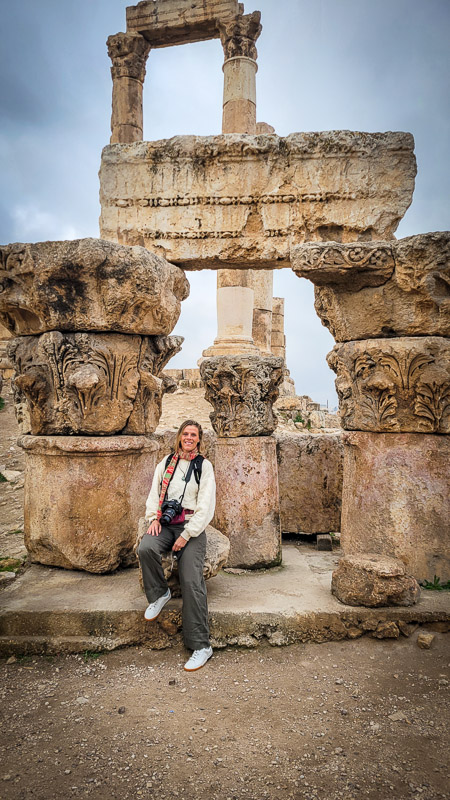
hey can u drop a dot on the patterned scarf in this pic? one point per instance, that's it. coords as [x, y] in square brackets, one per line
[167, 477]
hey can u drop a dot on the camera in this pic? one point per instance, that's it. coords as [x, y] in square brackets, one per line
[170, 509]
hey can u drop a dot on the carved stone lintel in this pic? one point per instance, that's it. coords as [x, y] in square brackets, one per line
[242, 390]
[238, 37]
[84, 383]
[394, 385]
[128, 53]
[356, 265]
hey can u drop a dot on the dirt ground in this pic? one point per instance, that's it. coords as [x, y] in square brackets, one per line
[365, 719]
[361, 719]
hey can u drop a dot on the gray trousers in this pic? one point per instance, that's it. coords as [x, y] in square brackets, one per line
[190, 570]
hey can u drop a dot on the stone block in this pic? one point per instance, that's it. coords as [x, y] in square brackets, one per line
[399, 385]
[372, 580]
[247, 506]
[83, 499]
[88, 285]
[310, 478]
[372, 290]
[242, 390]
[171, 22]
[395, 499]
[216, 557]
[90, 383]
[324, 541]
[244, 200]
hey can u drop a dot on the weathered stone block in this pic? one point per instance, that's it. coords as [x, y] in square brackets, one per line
[88, 285]
[216, 557]
[179, 21]
[394, 384]
[373, 580]
[369, 290]
[247, 507]
[83, 498]
[310, 478]
[89, 383]
[244, 200]
[242, 390]
[395, 499]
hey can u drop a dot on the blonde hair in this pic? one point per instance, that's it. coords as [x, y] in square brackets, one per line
[181, 429]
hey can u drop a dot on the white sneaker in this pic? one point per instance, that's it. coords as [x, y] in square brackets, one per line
[198, 659]
[154, 609]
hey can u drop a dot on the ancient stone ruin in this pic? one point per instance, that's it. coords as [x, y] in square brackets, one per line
[91, 322]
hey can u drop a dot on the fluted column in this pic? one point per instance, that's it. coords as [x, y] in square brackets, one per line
[128, 53]
[235, 293]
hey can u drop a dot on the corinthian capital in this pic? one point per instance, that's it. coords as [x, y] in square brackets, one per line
[238, 37]
[128, 53]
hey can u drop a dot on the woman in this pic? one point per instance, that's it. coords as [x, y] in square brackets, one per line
[175, 479]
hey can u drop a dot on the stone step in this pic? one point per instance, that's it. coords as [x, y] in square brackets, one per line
[50, 610]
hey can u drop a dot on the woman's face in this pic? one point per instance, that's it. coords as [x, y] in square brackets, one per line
[190, 438]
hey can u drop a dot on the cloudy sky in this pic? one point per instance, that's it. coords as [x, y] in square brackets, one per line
[371, 65]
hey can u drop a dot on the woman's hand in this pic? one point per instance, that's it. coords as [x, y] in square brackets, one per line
[154, 528]
[179, 544]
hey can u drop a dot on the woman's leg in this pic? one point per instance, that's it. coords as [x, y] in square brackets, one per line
[191, 560]
[149, 552]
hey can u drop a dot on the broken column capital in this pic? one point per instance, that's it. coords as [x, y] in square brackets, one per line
[92, 383]
[242, 390]
[394, 385]
[238, 37]
[128, 53]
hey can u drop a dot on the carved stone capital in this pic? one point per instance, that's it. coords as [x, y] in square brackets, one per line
[88, 284]
[238, 37]
[242, 390]
[89, 383]
[128, 53]
[394, 385]
[366, 290]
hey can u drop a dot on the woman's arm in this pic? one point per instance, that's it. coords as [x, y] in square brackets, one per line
[151, 506]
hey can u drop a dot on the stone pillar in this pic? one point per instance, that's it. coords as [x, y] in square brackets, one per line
[386, 305]
[278, 344]
[128, 53]
[241, 390]
[88, 366]
[234, 286]
[262, 310]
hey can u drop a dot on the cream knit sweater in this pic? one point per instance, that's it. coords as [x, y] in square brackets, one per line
[199, 499]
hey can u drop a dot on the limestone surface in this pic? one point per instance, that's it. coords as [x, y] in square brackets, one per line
[247, 504]
[372, 580]
[394, 384]
[170, 22]
[90, 383]
[242, 390]
[83, 498]
[395, 499]
[310, 479]
[369, 290]
[216, 557]
[88, 285]
[244, 200]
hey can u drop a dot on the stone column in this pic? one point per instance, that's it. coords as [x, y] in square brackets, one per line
[278, 344]
[262, 310]
[242, 390]
[88, 385]
[387, 303]
[235, 286]
[128, 53]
